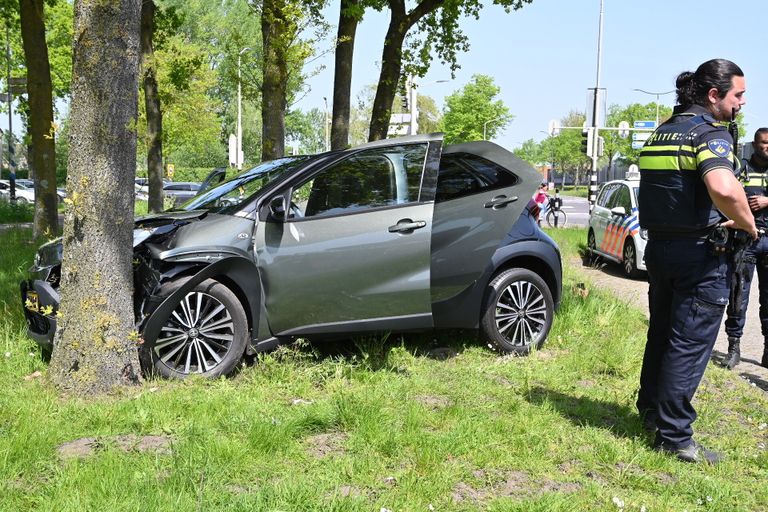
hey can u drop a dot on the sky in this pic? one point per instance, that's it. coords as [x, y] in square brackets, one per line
[544, 56]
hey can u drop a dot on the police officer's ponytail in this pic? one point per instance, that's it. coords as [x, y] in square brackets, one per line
[693, 88]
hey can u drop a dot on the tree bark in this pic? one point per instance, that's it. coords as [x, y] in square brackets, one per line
[152, 109]
[342, 80]
[42, 158]
[275, 32]
[392, 61]
[95, 349]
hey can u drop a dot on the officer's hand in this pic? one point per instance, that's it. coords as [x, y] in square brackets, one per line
[757, 202]
[751, 230]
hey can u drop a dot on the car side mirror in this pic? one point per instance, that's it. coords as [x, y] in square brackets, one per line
[619, 210]
[277, 208]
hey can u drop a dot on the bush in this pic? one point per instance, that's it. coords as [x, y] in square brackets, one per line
[15, 212]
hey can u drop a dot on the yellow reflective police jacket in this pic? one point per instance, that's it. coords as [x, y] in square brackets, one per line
[673, 200]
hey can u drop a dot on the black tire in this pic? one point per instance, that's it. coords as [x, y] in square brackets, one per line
[518, 312]
[629, 259]
[558, 215]
[21, 200]
[206, 334]
[592, 256]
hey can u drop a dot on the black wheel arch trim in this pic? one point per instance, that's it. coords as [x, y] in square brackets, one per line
[238, 272]
[464, 309]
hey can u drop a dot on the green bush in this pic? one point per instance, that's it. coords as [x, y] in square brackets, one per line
[15, 212]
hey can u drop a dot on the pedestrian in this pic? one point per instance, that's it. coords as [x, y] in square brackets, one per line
[688, 188]
[754, 176]
[541, 198]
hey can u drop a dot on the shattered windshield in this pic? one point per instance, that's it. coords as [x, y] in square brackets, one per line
[229, 195]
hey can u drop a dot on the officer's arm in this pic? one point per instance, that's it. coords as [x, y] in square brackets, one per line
[729, 197]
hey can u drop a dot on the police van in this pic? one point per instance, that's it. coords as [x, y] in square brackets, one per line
[614, 227]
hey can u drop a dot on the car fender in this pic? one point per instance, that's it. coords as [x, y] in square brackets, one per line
[239, 274]
[540, 257]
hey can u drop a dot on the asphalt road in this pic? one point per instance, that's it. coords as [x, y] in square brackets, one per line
[577, 210]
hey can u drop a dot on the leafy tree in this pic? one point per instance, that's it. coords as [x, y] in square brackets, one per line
[41, 127]
[530, 151]
[154, 117]
[94, 350]
[474, 110]
[438, 22]
[622, 147]
[430, 118]
[350, 14]
[307, 129]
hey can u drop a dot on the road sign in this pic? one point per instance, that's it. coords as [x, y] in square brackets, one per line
[637, 144]
[623, 129]
[640, 136]
[645, 124]
[4, 96]
[553, 128]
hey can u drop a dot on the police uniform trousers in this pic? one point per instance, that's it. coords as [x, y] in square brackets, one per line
[756, 256]
[688, 293]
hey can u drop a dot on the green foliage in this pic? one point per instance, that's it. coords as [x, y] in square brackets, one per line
[15, 212]
[474, 110]
[630, 113]
[306, 130]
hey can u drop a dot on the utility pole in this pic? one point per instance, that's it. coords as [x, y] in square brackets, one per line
[595, 116]
[11, 149]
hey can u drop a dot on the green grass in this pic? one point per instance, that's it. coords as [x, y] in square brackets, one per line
[15, 212]
[575, 191]
[305, 428]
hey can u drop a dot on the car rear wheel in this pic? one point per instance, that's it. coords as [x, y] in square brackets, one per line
[205, 334]
[518, 311]
[592, 255]
[629, 262]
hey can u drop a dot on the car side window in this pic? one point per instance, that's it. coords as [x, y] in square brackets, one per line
[621, 198]
[372, 178]
[606, 196]
[463, 174]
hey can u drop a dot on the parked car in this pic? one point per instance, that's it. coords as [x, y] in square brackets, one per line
[24, 194]
[180, 191]
[392, 236]
[25, 190]
[614, 227]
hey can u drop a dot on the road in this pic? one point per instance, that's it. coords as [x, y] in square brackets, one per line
[577, 210]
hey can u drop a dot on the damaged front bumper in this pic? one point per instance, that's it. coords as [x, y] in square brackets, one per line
[41, 302]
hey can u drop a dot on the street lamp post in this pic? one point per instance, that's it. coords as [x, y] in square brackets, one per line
[239, 150]
[657, 94]
[485, 124]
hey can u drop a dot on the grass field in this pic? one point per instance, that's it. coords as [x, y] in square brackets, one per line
[379, 426]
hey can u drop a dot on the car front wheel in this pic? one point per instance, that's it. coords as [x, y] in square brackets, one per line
[205, 334]
[518, 312]
[630, 259]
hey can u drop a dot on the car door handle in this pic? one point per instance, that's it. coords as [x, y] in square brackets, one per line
[499, 202]
[407, 226]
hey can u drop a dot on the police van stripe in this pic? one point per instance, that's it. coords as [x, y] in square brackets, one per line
[617, 231]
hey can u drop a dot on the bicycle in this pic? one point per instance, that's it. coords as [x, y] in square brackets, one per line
[556, 217]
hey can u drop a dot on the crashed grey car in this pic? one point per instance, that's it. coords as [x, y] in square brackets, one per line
[399, 235]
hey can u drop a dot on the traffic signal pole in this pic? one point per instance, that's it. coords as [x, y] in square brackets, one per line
[595, 116]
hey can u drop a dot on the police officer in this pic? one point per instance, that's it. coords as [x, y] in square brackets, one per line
[687, 188]
[754, 176]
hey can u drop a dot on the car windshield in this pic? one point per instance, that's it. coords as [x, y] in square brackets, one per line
[229, 195]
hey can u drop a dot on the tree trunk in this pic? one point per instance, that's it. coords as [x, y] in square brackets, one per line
[342, 80]
[95, 349]
[152, 108]
[42, 158]
[391, 64]
[276, 32]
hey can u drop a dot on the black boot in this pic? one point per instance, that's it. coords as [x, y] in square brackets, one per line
[764, 361]
[734, 354]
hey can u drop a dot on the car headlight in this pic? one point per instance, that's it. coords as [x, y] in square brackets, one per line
[141, 234]
[644, 234]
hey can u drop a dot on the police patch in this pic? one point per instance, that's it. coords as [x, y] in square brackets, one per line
[720, 147]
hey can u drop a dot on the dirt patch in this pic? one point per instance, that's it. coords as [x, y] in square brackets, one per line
[433, 401]
[88, 446]
[326, 444]
[507, 484]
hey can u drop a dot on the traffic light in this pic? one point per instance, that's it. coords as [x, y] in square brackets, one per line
[587, 142]
[404, 99]
[600, 146]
